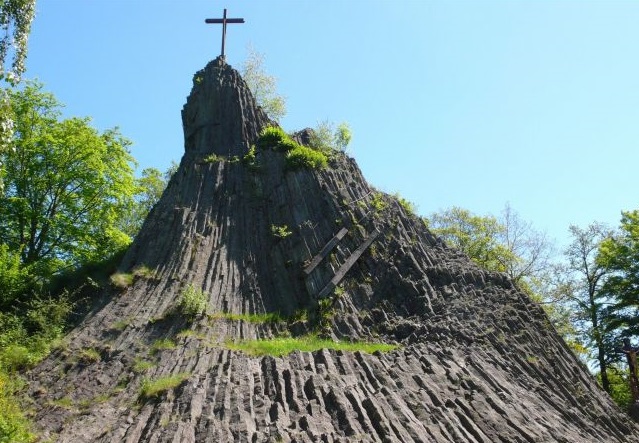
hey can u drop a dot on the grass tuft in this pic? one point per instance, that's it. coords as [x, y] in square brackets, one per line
[121, 280]
[155, 388]
[269, 317]
[280, 346]
[162, 344]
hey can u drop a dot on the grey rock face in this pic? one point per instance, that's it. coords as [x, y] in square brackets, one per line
[477, 362]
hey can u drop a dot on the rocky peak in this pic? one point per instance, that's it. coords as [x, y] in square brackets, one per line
[220, 115]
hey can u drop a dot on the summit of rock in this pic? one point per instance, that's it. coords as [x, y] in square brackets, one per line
[322, 252]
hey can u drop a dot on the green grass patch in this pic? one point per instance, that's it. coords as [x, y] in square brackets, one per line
[125, 279]
[140, 366]
[269, 317]
[162, 344]
[121, 280]
[89, 355]
[280, 346]
[157, 387]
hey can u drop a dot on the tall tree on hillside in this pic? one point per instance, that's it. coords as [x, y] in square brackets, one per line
[580, 285]
[262, 85]
[66, 185]
[620, 257]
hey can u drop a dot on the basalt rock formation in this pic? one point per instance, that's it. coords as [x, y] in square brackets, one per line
[476, 360]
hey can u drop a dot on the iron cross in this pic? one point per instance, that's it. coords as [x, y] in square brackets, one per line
[224, 21]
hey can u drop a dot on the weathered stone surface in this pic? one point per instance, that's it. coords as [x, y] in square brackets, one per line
[478, 362]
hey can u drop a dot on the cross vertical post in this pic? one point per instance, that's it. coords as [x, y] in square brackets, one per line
[223, 21]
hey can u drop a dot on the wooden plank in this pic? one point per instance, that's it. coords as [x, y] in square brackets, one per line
[348, 264]
[325, 250]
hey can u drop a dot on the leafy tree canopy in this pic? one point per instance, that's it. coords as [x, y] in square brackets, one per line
[326, 136]
[262, 85]
[619, 255]
[66, 185]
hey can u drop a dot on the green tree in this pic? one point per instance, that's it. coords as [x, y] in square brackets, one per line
[148, 190]
[506, 244]
[14, 278]
[326, 136]
[579, 285]
[477, 236]
[66, 185]
[262, 85]
[512, 246]
[620, 257]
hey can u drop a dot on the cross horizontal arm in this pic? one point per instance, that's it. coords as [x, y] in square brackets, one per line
[222, 20]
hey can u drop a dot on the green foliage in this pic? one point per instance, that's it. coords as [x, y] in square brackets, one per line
[14, 278]
[66, 186]
[280, 231]
[14, 426]
[154, 388]
[578, 285]
[273, 137]
[619, 256]
[303, 157]
[327, 137]
[478, 237]
[140, 366]
[618, 379]
[285, 345]
[121, 280]
[297, 156]
[149, 187]
[89, 355]
[250, 159]
[162, 344]
[125, 279]
[25, 340]
[193, 302]
[268, 317]
[262, 85]
[408, 206]
[212, 158]
[378, 203]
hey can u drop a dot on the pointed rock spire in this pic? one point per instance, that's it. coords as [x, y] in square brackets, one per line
[220, 115]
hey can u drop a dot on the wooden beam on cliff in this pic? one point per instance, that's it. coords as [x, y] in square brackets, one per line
[224, 21]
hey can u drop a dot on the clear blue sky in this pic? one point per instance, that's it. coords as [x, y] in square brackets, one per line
[452, 103]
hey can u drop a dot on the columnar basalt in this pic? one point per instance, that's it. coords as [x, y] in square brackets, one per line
[476, 360]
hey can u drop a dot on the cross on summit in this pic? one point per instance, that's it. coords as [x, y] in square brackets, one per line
[224, 21]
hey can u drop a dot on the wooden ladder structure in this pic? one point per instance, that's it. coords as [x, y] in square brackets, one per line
[348, 264]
